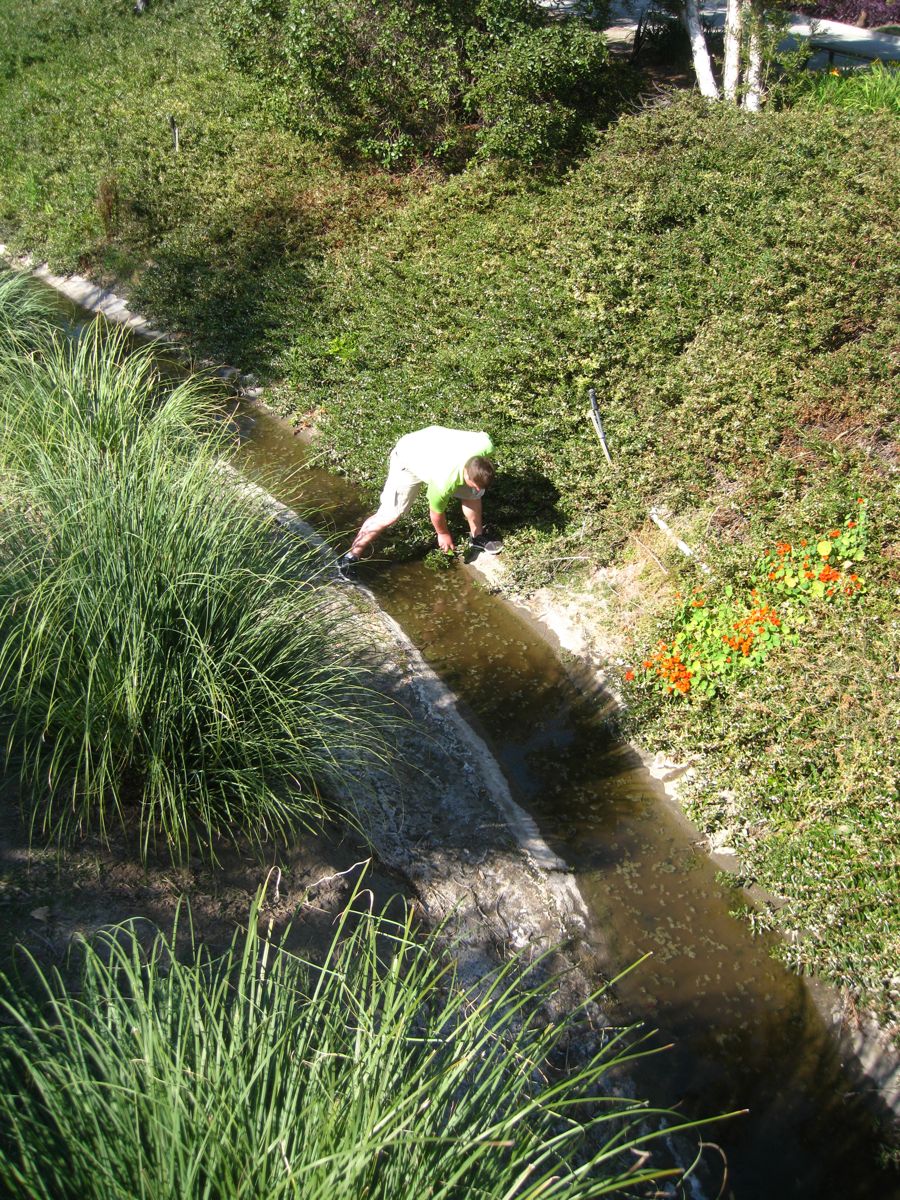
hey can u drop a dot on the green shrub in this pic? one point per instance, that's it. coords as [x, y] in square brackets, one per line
[537, 93]
[381, 78]
[165, 664]
[376, 1074]
[397, 80]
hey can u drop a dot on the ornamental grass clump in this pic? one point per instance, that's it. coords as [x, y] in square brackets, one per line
[261, 1075]
[873, 87]
[166, 663]
[23, 312]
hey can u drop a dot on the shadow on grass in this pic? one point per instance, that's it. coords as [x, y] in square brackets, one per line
[236, 304]
[524, 497]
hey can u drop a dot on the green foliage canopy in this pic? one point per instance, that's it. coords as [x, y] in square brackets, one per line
[393, 80]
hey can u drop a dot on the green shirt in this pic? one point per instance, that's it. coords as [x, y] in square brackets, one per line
[438, 456]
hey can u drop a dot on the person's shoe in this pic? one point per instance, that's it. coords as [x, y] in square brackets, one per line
[487, 542]
[346, 567]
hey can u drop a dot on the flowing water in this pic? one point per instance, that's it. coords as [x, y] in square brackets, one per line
[744, 1032]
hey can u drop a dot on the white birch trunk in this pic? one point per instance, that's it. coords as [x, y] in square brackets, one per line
[702, 64]
[753, 94]
[731, 67]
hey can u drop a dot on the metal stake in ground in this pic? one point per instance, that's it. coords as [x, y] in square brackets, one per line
[594, 415]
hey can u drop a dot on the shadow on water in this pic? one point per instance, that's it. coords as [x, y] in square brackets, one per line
[745, 1032]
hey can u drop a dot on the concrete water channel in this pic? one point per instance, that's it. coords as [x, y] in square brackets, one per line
[743, 1032]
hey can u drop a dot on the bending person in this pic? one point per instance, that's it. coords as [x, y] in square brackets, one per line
[447, 463]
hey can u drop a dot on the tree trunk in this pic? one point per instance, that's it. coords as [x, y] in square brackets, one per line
[753, 94]
[731, 67]
[702, 64]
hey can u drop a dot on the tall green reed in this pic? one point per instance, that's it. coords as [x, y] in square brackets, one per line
[866, 89]
[259, 1075]
[23, 311]
[166, 663]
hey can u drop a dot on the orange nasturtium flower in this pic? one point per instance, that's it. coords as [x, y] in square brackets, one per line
[834, 533]
[629, 675]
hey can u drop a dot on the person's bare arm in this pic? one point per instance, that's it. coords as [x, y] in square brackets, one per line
[441, 528]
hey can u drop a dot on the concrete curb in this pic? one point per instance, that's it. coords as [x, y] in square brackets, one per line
[83, 292]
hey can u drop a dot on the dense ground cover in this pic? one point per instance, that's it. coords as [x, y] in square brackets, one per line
[216, 238]
[727, 282]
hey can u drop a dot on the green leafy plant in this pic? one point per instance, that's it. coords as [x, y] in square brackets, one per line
[398, 80]
[376, 1073]
[716, 640]
[537, 94]
[870, 89]
[440, 560]
[819, 568]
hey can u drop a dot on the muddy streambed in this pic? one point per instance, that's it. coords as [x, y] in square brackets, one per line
[745, 1032]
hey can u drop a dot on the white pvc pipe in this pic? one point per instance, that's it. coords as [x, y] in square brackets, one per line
[682, 545]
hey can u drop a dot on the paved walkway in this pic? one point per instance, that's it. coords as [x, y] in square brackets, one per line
[845, 45]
